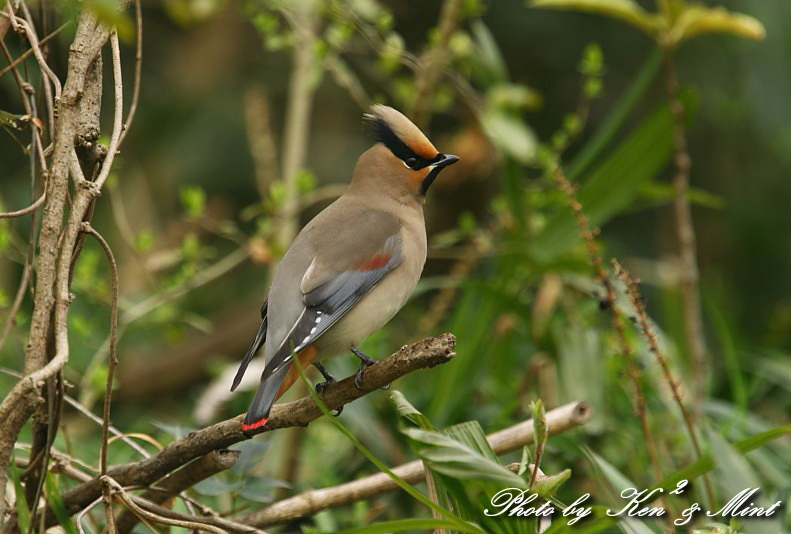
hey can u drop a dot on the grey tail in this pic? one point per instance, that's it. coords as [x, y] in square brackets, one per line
[258, 413]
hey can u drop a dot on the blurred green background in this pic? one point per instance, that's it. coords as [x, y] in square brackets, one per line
[189, 203]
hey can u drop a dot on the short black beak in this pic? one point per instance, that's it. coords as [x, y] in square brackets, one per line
[442, 161]
[447, 159]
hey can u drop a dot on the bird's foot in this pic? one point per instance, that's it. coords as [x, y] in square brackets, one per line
[365, 362]
[322, 386]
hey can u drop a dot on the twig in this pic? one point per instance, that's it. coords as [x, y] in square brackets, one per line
[30, 33]
[24, 211]
[420, 355]
[653, 345]
[433, 61]
[52, 295]
[685, 236]
[36, 47]
[117, 490]
[29, 51]
[118, 112]
[184, 478]
[130, 115]
[111, 364]
[310, 502]
[213, 520]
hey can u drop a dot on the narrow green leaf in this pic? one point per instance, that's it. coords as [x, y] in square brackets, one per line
[690, 472]
[549, 484]
[613, 184]
[409, 412]
[22, 511]
[627, 11]
[616, 117]
[454, 459]
[56, 504]
[539, 422]
[472, 435]
[698, 20]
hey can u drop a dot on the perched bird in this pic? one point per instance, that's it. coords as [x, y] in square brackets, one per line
[352, 267]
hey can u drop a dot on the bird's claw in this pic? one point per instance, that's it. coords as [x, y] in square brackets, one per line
[365, 362]
[321, 387]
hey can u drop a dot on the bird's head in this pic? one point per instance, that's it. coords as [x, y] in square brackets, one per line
[403, 157]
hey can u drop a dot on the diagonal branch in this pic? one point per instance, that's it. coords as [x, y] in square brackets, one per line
[421, 355]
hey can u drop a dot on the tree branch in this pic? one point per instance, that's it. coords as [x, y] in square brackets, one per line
[310, 502]
[421, 355]
[183, 479]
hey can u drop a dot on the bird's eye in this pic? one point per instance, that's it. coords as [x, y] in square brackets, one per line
[410, 163]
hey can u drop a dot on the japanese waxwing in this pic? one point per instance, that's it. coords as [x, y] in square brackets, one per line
[353, 266]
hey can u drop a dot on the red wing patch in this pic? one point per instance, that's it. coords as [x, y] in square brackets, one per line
[371, 264]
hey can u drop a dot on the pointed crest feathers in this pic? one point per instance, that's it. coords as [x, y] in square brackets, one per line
[398, 133]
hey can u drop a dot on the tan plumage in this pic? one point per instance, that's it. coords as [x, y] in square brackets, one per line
[353, 266]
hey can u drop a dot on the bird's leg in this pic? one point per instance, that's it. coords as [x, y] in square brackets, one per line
[365, 362]
[328, 379]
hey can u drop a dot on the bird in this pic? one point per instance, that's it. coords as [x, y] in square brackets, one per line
[352, 267]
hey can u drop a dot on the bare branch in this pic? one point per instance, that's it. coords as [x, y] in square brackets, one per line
[130, 116]
[24, 211]
[184, 478]
[29, 51]
[117, 490]
[421, 355]
[118, 116]
[310, 502]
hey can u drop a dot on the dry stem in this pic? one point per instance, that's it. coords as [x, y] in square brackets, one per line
[685, 237]
[617, 321]
[653, 345]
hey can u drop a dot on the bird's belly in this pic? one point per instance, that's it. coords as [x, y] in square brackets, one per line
[381, 303]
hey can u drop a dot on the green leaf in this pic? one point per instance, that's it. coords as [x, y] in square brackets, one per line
[539, 422]
[549, 484]
[627, 11]
[409, 412]
[193, 200]
[22, 511]
[10, 120]
[611, 186]
[698, 20]
[734, 471]
[56, 504]
[451, 458]
[616, 117]
[510, 134]
[692, 471]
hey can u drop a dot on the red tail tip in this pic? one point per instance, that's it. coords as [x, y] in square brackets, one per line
[253, 426]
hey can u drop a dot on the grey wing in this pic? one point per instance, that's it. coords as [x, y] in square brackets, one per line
[255, 346]
[328, 302]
